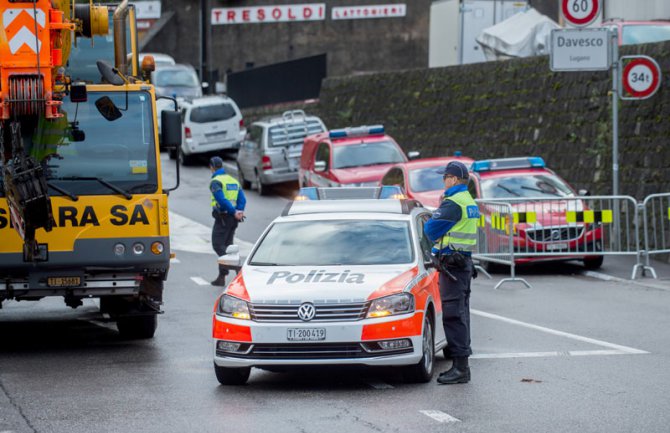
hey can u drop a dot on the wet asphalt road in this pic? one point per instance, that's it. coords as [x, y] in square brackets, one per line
[572, 354]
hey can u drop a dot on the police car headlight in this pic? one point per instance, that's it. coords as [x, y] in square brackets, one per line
[234, 307]
[389, 305]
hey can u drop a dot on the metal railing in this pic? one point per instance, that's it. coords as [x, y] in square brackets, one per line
[587, 228]
[656, 216]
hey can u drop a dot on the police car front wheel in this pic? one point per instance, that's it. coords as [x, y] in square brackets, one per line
[232, 376]
[423, 371]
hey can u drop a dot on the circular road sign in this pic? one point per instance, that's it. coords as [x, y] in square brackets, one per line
[580, 13]
[641, 77]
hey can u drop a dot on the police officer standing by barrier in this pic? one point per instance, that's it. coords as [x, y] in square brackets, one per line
[453, 229]
[228, 203]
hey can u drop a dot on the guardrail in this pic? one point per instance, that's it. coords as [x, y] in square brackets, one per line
[587, 228]
[656, 216]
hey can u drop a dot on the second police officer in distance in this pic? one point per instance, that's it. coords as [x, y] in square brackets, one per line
[228, 203]
[453, 229]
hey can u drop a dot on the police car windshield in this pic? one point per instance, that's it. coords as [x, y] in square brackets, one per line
[425, 179]
[335, 242]
[539, 185]
[120, 152]
[364, 154]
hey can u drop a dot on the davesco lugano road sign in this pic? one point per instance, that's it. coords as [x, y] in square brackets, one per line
[580, 50]
[580, 13]
[640, 78]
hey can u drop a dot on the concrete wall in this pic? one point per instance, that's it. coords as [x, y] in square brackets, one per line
[353, 46]
[514, 108]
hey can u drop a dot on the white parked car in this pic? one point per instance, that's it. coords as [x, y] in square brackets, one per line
[336, 281]
[212, 124]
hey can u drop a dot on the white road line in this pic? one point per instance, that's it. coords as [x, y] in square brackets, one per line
[439, 416]
[191, 236]
[378, 384]
[618, 347]
[547, 354]
[175, 260]
[199, 281]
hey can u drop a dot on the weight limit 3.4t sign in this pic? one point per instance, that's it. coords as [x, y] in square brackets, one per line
[580, 13]
[640, 78]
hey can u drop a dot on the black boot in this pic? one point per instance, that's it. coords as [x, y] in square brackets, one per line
[458, 373]
[221, 279]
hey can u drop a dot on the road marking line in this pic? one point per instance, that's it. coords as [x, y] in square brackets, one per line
[606, 277]
[625, 349]
[199, 281]
[439, 416]
[378, 384]
[171, 261]
[547, 354]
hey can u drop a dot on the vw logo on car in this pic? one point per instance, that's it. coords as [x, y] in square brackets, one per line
[306, 312]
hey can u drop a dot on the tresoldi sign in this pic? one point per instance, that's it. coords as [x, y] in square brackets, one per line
[580, 50]
[269, 14]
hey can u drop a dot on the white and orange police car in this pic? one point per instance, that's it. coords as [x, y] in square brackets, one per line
[333, 280]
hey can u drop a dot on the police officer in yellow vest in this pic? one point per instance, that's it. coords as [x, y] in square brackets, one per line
[453, 229]
[228, 203]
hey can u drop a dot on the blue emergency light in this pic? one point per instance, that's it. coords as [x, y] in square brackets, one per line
[507, 164]
[358, 131]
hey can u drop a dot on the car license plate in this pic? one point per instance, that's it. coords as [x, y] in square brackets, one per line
[63, 281]
[556, 247]
[306, 334]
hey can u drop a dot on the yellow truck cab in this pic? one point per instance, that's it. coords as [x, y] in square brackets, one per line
[110, 235]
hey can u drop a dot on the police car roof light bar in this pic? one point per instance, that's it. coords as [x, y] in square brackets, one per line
[507, 164]
[358, 131]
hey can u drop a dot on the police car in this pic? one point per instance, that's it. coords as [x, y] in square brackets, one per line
[546, 202]
[336, 279]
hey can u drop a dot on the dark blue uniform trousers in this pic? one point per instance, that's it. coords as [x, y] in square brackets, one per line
[456, 309]
[223, 233]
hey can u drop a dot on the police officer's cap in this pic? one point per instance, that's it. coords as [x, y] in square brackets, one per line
[455, 168]
[216, 162]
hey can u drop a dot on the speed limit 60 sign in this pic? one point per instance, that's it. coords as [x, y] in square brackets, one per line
[640, 77]
[580, 13]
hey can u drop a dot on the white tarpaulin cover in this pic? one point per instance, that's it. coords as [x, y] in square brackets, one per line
[523, 34]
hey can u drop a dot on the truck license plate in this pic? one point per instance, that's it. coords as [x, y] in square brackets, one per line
[63, 281]
[306, 334]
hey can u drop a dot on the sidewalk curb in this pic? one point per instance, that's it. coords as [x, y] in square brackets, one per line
[605, 277]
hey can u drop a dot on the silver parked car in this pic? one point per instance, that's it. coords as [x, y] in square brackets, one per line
[271, 151]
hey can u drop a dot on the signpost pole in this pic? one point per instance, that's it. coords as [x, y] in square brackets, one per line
[616, 65]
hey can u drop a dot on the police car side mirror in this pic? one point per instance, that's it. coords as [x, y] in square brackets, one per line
[320, 166]
[232, 257]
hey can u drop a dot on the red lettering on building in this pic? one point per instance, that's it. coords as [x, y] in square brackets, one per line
[231, 16]
[276, 13]
[217, 15]
[290, 13]
[260, 14]
[320, 11]
[307, 13]
[245, 15]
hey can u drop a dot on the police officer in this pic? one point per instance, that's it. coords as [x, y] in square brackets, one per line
[453, 229]
[228, 203]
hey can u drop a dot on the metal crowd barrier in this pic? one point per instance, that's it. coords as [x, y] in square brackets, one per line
[656, 216]
[518, 230]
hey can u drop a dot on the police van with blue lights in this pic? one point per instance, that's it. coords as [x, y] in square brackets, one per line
[354, 156]
[342, 277]
[545, 202]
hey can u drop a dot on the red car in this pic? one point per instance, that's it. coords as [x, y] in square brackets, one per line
[550, 213]
[349, 157]
[420, 180]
